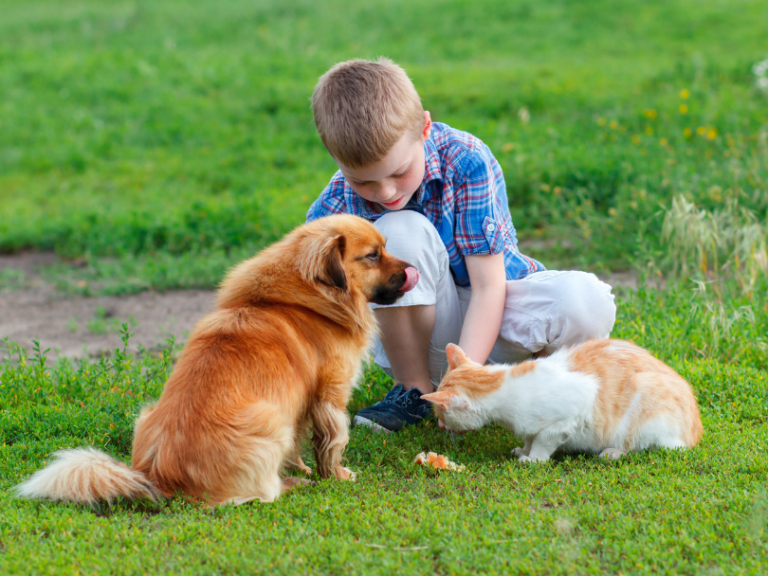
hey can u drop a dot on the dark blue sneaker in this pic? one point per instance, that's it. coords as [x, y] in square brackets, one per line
[398, 409]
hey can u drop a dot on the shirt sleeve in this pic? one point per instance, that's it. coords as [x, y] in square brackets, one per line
[483, 226]
[331, 200]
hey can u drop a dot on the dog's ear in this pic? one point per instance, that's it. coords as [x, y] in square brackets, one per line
[325, 262]
[334, 275]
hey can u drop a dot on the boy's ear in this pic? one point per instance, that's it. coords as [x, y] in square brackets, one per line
[442, 398]
[324, 261]
[427, 129]
[456, 356]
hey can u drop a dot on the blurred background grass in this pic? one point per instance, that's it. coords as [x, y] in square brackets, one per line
[160, 142]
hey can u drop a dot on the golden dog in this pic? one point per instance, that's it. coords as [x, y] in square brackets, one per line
[279, 355]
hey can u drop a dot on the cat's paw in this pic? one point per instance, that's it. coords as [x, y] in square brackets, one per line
[519, 452]
[528, 460]
[612, 454]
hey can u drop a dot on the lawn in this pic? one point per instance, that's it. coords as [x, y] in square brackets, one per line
[154, 144]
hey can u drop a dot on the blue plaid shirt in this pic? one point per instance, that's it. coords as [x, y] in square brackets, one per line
[464, 196]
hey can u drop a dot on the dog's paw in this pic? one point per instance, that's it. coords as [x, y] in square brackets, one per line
[291, 482]
[345, 474]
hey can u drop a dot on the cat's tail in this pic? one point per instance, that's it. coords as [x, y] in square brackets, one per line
[87, 476]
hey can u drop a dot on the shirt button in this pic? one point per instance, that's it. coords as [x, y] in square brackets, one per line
[491, 228]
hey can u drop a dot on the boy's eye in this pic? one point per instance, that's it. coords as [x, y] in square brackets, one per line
[400, 175]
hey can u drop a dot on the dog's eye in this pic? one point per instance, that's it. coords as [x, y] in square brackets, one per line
[373, 256]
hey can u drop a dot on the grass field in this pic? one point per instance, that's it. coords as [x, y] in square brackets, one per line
[157, 143]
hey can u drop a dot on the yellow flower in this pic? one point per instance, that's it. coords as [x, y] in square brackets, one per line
[650, 114]
[507, 147]
[635, 139]
[712, 134]
[701, 130]
[687, 132]
[685, 93]
[612, 211]
[614, 124]
[601, 121]
[683, 109]
[663, 142]
[649, 130]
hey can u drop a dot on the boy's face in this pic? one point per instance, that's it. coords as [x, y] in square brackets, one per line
[394, 179]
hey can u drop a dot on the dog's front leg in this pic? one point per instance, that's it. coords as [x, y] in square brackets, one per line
[330, 434]
[294, 460]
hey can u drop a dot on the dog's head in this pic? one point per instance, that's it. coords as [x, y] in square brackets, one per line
[346, 253]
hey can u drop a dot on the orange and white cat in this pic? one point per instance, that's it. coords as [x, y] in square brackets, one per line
[603, 396]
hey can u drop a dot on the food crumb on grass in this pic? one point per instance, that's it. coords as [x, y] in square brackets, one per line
[438, 462]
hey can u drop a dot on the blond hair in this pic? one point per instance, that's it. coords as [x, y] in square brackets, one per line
[362, 108]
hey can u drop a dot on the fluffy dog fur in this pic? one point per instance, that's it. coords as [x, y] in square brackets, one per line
[279, 355]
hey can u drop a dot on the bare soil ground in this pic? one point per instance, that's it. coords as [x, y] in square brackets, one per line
[76, 326]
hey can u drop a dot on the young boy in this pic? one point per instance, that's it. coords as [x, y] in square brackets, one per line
[438, 196]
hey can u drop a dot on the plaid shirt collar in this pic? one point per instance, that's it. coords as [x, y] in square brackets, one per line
[431, 172]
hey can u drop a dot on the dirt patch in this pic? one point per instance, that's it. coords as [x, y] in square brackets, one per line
[76, 326]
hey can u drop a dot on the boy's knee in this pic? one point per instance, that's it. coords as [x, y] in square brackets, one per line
[413, 238]
[585, 309]
[409, 233]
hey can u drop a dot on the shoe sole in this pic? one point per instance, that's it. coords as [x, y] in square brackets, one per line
[360, 421]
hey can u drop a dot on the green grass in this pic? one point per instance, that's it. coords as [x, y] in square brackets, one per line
[697, 512]
[157, 143]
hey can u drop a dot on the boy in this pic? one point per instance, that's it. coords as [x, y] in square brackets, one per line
[438, 196]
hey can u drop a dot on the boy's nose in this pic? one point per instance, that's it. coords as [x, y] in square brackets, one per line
[387, 191]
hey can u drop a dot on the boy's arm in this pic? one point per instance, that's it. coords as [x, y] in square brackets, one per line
[330, 201]
[488, 279]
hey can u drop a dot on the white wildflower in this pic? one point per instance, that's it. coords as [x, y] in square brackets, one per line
[760, 70]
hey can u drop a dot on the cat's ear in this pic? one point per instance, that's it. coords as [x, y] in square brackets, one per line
[456, 356]
[442, 398]
[447, 400]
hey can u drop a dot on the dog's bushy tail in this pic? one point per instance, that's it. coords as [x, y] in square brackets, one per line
[87, 476]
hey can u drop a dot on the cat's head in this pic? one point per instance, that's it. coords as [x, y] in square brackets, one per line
[458, 401]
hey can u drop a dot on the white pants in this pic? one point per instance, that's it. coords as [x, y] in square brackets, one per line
[544, 311]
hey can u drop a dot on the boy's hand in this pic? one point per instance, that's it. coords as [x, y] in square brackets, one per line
[486, 306]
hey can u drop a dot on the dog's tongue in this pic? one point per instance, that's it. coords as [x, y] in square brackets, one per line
[411, 278]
